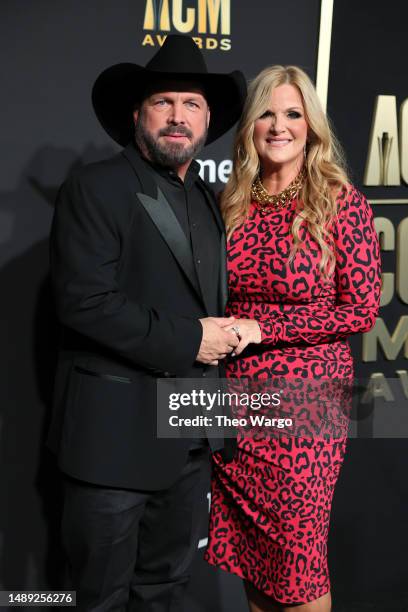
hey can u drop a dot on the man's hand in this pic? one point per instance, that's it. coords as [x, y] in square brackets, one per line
[217, 342]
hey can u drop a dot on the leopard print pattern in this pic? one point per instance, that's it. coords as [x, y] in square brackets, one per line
[271, 505]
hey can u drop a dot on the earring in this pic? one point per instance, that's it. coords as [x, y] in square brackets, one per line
[304, 150]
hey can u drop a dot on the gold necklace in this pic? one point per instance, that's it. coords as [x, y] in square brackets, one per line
[279, 200]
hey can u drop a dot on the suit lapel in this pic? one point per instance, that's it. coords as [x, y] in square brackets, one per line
[223, 286]
[212, 204]
[223, 279]
[166, 222]
[160, 212]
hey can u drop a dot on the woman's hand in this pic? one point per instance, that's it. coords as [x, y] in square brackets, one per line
[248, 332]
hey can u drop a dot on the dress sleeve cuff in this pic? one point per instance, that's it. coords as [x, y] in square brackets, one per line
[268, 331]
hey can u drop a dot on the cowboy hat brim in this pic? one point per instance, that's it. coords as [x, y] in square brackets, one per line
[119, 88]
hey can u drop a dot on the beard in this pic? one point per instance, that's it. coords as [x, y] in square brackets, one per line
[169, 154]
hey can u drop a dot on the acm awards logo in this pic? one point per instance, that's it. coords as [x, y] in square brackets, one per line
[387, 165]
[207, 21]
[387, 160]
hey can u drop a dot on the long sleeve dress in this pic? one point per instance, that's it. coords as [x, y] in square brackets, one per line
[271, 505]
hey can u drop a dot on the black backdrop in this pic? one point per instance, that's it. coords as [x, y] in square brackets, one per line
[370, 528]
[53, 51]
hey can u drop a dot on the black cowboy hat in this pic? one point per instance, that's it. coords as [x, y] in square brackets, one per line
[118, 88]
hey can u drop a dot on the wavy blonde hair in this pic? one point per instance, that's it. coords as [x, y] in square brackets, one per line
[325, 167]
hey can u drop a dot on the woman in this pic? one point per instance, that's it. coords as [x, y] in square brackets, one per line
[304, 274]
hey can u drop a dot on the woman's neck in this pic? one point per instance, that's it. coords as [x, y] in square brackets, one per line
[276, 179]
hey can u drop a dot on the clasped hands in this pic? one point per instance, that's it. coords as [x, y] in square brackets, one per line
[226, 335]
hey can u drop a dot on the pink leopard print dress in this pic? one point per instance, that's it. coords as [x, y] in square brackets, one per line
[271, 506]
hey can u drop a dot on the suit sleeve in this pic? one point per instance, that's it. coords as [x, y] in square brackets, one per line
[358, 285]
[86, 244]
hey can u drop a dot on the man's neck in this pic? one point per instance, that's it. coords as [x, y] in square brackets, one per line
[181, 170]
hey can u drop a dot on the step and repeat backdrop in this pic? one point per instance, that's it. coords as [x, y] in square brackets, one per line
[52, 53]
[367, 89]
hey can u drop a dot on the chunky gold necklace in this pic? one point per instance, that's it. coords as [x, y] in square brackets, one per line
[279, 200]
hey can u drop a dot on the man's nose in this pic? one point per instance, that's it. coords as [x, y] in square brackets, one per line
[176, 115]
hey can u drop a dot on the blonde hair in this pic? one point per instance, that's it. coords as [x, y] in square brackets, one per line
[325, 166]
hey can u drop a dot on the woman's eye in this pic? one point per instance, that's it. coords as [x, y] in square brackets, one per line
[294, 115]
[266, 114]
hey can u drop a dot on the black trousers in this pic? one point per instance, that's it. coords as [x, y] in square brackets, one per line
[132, 550]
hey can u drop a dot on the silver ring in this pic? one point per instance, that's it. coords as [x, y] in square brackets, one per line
[235, 328]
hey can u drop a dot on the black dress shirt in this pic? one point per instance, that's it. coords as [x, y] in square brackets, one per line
[193, 211]
[190, 205]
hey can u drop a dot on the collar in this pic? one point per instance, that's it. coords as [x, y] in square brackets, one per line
[170, 174]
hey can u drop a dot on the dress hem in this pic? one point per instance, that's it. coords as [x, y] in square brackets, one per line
[238, 572]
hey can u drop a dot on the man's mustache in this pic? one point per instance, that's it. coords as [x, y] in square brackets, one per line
[181, 129]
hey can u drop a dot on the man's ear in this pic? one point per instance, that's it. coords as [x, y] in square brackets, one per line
[208, 116]
[135, 114]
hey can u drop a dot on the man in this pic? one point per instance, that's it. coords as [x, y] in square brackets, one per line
[137, 259]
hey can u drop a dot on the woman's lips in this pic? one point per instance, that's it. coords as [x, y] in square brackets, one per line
[278, 143]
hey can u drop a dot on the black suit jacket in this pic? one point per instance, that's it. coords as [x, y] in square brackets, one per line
[129, 299]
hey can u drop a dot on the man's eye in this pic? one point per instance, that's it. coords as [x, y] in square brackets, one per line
[192, 104]
[160, 102]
